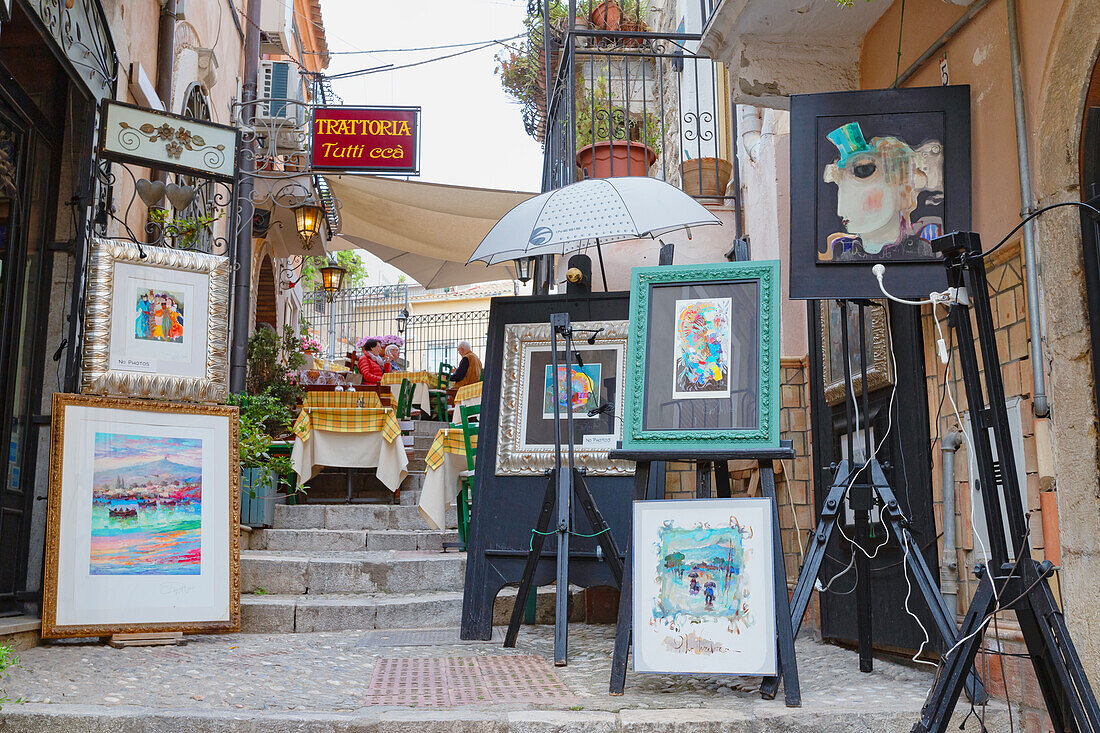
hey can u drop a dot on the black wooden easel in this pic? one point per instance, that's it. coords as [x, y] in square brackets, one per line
[561, 486]
[864, 485]
[1012, 579]
[786, 665]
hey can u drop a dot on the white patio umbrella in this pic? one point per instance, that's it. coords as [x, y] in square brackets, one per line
[588, 213]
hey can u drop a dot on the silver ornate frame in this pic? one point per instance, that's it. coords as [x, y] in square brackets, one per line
[514, 459]
[99, 378]
[880, 371]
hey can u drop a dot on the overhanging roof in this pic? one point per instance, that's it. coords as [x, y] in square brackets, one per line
[776, 48]
[427, 230]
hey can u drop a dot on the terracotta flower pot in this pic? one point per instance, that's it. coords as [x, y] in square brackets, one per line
[607, 15]
[615, 159]
[705, 176]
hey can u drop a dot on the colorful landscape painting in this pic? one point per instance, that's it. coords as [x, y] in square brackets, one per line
[701, 576]
[146, 505]
[586, 390]
[159, 316]
[701, 348]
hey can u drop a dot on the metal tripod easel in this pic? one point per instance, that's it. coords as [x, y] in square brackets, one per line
[864, 485]
[1012, 579]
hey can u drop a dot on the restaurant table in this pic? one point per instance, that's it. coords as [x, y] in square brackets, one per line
[333, 431]
[446, 460]
[468, 395]
[421, 381]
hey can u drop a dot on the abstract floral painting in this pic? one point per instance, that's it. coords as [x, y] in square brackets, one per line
[159, 316]
[701, 348]
[585, 386]
[146, 505]
[704, 584]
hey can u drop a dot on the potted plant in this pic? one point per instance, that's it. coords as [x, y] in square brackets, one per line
[183, 231]
[705, 176]
[611, 140]
[606, 15]
[263, 418]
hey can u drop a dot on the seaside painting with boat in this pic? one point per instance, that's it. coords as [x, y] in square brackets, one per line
[146, 505]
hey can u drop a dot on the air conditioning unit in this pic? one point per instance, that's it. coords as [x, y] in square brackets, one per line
[276, 26]
[282, 112]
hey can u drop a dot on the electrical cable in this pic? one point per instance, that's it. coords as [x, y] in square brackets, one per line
[1034, 214]
[391, 67]
[422, 48]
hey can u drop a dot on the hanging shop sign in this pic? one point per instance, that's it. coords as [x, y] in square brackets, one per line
[132, 134]
[366, 139]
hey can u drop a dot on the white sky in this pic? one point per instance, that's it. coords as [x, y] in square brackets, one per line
[472, 132]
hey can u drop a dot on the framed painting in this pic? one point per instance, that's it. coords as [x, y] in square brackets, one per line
[142, 530]
[526, 438]
[156, 323]
[703, 358]
[704, 578]
[875, 177]
[880, 369]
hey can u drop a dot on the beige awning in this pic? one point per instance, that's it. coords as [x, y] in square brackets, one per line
[427, 230]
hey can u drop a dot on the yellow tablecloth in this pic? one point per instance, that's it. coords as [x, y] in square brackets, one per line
[446, 461]
[347, 420]
[422, 382]
[345, 399]
[469, 395]
[348, 437]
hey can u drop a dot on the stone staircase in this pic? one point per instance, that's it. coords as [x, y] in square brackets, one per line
[337, 567]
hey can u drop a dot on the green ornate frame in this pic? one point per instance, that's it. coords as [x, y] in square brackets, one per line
[766, 434]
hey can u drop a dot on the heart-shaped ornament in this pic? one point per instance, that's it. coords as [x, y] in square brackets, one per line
[180, 196]
[151, 192]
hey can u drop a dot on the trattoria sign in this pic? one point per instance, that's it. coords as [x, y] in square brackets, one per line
[366, 139]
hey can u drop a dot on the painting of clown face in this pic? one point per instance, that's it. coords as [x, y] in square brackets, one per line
[701, 348]
[889, 197]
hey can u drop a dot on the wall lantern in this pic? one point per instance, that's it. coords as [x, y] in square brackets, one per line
[523, 268]
[402, 320]
[307, 218]
[332, 278]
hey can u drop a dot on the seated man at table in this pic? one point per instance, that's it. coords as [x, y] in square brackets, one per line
[371, 364]
[469, 369]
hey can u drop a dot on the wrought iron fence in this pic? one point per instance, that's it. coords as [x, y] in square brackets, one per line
[359, 313]
[643, 101]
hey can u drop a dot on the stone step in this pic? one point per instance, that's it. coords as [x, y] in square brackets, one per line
[284, 613]
[327, 540]
[410, 497]
[348, 516]
[427, 428]
[403, 539]
[351, 572]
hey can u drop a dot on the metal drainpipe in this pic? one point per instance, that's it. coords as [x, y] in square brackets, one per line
[949, 566]
[166, 56]
[1035, 326]
[238, 356]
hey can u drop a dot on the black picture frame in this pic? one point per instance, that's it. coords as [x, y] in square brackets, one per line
[822, 269]
[506, 508]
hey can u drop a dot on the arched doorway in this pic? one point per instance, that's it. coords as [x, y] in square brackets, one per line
[267, 310]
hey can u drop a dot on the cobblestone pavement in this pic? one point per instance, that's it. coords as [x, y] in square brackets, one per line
[329, 673]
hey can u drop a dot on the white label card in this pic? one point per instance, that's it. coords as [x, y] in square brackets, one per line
[127, 364]
[600, 442]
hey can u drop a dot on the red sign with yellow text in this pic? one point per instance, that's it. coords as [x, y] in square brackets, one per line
[367, 139]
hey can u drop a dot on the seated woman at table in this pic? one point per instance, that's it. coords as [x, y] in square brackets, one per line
[371, 364]
[393, 359]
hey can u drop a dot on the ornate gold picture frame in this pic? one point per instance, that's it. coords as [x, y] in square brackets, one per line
[142, 530]
[525, 445]
[880, 371]
[156, 323]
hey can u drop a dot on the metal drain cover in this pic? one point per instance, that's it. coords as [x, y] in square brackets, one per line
[455, 681]
[388, 638]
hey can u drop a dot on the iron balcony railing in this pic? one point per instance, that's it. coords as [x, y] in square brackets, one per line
[633, 102]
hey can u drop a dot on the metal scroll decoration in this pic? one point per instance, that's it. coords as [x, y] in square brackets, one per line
[518, 453]
[80, 30]
[176, 140]
[100, 376]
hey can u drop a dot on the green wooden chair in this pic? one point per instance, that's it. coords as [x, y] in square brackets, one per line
[404, 412]
[465, 500]
[438, 394]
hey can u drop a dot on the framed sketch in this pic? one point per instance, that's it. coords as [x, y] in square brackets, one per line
[142, 529]
[704, 587]
[526, 422]
[156, 323]
[875, 177]
[703, 363]
[880, 369]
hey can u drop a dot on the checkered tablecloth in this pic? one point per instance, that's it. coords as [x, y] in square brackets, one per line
[415, 377]
[348, 420]
[468, 392]
[341, 400]
[447, 440]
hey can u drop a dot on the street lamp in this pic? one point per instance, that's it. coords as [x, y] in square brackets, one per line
[307, 219]
[523, 268]
[402, 320]
[332, 278]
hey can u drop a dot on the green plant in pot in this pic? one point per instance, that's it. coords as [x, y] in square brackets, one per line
[611, 140]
